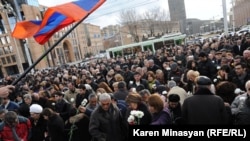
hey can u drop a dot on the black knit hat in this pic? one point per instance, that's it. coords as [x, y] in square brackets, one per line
[174, 98]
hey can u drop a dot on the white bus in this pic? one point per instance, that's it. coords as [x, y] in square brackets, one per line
[152, 45]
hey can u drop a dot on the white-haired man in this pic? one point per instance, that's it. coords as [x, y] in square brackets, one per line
[106, 121]
[239, 101]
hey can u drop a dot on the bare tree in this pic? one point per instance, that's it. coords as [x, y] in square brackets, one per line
[164, 23]
[154, 22]
[130, 19]
[149, 21]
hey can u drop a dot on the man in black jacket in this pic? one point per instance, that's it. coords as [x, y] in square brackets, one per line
[205, 66]
[204, 107]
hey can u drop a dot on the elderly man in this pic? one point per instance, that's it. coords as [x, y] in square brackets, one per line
[240, 107]
[204, 107]
[246, 58]
[152, 66]
[14, 127]
[239, 101]
[38, 123]
[174, 89]
[106, 121]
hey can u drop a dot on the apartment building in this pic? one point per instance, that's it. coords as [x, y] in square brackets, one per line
[241, 12]
[17, 55]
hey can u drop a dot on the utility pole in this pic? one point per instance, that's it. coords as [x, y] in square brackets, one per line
[225, 17]
[233, 18]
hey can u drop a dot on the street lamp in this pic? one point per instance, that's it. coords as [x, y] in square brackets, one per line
[225, 17]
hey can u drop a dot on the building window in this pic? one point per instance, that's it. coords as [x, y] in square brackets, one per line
[3, 41]
[8, 39]
[11, 49]
[3, 61]
[8, 59]
[1, 51]
[13, 57]
[6, 50]
[76, 52]
[2, 27]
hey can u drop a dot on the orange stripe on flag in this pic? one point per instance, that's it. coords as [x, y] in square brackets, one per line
[25, 29]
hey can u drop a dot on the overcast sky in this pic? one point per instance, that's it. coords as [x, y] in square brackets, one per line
[108, 13]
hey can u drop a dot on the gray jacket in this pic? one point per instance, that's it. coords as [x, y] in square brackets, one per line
[238, 103]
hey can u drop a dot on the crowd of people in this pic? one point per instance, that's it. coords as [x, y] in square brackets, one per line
[199, 84]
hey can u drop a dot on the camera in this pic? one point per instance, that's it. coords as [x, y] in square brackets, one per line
[84, 102]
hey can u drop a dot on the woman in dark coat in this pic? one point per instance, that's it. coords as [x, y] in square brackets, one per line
[134, 100]
[77, 126]
[55, 125]
[161, 114]
[225, 90]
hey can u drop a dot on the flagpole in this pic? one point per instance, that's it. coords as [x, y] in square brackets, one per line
[45, 53]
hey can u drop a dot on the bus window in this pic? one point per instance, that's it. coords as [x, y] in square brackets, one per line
[127, 51]
[117, 53]
[137, 49]
[148, 48]
[158, 45]
[111, 54]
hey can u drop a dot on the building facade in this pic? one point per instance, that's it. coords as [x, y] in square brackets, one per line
[177, 12]
[196, 26]
[90, 39]
[241, 12]
[121, 34]
[17, 55]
